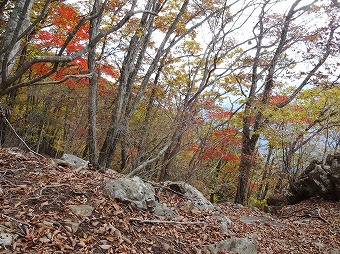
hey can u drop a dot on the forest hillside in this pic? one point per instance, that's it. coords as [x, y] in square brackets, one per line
[233, 97]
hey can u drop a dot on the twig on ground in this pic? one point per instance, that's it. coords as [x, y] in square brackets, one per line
[292, 213]
[321, 218]
[16, 220]
[309, 214]
[52, 186]
[168, 222]
[12, 171]
[161, 187]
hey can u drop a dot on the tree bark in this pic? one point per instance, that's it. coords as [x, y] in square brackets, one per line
[266, 170]
[93, 88]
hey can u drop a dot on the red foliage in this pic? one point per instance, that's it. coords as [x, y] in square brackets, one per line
[110, 70]
[215, 152]
[227, 136]
[199, 120]
[48, 39]
[82, 131]
[306, 120]
[64, 18]
[71, 47]
[219, 115]
[277, 99]
[193, 147]
[251, 119]
[40, 68]
[81, 63]
[224, 148]
[252, 185]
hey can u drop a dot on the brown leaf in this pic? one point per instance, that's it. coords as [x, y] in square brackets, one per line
[105, 246]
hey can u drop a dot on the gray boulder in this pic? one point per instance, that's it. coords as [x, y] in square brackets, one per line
[6, 239]
[132, 190]
[162, 210]
[200, 202]
[74, 160]
[232, 245]
[194, 195]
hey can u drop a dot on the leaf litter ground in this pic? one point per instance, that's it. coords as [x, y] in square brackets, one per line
[35, 199]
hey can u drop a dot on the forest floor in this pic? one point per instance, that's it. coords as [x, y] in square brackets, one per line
[36, 197]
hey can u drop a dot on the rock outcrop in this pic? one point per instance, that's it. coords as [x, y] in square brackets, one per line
[317, 180]
[196, 197]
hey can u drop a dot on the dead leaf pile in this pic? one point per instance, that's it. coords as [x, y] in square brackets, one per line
[38, 214]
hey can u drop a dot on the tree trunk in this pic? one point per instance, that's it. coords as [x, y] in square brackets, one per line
[168, 157]
[243, 177]
[93, 87]
[266, 169]
[251, 134]
[130, 67]
[10, 45]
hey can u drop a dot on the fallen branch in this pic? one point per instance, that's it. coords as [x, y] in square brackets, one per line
[149, 161]
[12, 171]
[168, 222]
[321, 218]
[52, 186]
[161, 187]
[17, 221]
[308, 214]
[293, 213]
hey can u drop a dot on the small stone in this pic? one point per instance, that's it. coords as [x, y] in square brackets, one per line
[238, 245]
[6, 239]
[82, 210]
[73, 225]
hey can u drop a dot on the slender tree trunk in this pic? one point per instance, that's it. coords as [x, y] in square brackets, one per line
[266, 169]
[10, 45]
[168, 157]
[124, 157]
[93, 88]
[251, 135]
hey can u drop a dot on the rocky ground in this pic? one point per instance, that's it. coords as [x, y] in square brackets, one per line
[50, 208]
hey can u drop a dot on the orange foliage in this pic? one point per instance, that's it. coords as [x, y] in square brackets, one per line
[81, 63]
[64, 19]
[40, 68]
[109, 70]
